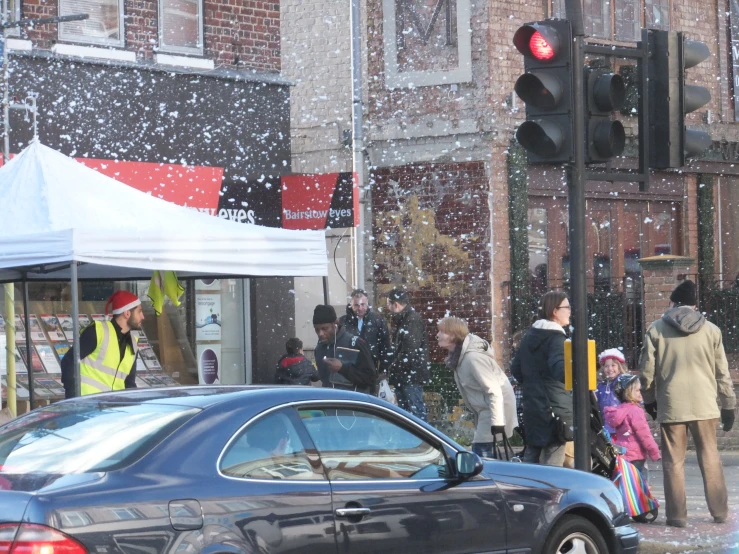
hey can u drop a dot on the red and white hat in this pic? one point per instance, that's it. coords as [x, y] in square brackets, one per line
[120, 301]
[611, 354]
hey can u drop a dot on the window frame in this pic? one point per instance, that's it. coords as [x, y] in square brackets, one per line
[641, 8]
[450, 450]
[78, 39]
[168, 49]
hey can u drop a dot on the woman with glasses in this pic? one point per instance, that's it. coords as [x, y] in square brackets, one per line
[539, 367]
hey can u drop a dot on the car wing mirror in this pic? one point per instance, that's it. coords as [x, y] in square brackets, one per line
[468, 464]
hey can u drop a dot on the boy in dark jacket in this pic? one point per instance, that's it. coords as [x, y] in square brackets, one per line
[294, 368]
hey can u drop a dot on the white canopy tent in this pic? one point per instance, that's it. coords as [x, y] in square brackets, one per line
[65, 221]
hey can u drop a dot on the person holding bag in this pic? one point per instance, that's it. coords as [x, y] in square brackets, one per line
[484, 387]
[539, 367]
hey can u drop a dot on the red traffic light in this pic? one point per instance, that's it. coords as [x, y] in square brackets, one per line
[540, 48]
[538, 41]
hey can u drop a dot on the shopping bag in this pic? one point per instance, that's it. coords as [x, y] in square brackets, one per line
[386, 393]
[634, 490]
[507, 451]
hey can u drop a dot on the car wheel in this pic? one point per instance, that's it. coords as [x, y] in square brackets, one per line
[575, 535]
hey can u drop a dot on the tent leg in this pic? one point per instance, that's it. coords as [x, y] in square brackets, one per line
[76, 330]
[29, 347]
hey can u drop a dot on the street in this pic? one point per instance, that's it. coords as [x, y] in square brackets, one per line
[701, 534]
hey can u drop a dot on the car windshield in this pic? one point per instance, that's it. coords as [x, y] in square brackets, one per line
[86, 437]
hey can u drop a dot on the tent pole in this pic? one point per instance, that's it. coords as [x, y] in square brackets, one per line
[76, 330]
[29, 348]
[10, 347]
[325, 290]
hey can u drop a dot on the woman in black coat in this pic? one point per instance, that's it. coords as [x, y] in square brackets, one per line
[539, 367]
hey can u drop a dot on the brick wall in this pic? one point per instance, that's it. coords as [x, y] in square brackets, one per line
[237, 35]
[434, 238]
[316, 57]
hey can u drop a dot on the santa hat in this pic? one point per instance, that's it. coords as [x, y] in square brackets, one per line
[121, 301]
[611, 354]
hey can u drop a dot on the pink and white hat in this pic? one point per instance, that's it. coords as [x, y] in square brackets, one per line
[611, 354]
[120, 301]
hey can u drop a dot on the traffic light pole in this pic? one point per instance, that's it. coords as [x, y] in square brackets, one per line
[578, 290]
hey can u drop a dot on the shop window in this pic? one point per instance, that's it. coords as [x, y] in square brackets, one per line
[538, 250]
[620, 19]
[180, 26]
[104, 26]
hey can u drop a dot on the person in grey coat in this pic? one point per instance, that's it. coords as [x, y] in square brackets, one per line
[485, 389]
[539, 366]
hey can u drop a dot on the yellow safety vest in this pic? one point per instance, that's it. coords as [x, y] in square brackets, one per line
[103, 370]
[164, 283]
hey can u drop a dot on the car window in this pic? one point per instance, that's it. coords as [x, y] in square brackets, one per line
[86, 436]
[269, 448]
[354, 444]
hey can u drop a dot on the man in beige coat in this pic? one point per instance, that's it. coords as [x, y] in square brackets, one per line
[683, 371]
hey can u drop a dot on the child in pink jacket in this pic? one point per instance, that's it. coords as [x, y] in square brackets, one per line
[630, 423]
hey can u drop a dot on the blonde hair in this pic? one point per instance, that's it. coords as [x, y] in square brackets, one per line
[622, 368]
[629, 391]
[455, 327]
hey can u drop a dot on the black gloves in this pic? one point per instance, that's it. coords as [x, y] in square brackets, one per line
[651, 409]
[727, 419]
[495, 429]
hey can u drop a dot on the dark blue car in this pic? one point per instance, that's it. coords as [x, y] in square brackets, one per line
[226, 470]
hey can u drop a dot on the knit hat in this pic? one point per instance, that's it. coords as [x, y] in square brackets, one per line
[120, 301]
[685, 294]
[623, 382]
[324, 314]
[611, 354]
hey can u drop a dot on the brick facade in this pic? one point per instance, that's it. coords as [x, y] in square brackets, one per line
[237, 35]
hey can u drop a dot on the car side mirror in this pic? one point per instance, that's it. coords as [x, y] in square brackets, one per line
[468, 464]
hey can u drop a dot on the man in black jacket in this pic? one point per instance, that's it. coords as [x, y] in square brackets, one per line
[361, 321]
[344, 361]
[409, 369]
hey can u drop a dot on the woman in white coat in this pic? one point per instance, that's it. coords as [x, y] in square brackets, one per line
[484, 387]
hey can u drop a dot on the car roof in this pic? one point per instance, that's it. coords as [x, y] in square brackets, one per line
[221, 395]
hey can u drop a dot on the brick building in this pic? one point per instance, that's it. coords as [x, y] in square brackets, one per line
[185, 100]
[439, 121]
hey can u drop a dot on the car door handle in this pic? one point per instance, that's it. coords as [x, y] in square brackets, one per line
[352, 512]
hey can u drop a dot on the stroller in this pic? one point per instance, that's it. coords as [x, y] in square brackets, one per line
[608, 462]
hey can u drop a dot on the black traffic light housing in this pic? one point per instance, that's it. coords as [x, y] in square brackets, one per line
[605, 94]
[546, 88]
[670, 54]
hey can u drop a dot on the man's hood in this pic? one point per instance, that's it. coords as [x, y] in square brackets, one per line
[473, 343]
[685, 319]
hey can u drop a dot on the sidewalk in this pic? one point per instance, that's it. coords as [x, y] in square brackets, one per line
[701, 534]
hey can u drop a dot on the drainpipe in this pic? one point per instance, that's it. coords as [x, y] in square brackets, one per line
[358, 135]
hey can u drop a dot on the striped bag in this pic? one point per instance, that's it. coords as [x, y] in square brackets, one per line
[640, 503]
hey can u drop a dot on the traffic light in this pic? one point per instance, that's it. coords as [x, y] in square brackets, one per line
[670, 54]
[546, 88]
[605, 94]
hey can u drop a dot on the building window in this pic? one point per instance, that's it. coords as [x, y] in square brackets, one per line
[620, 19]
[180, 26]
[104, 26]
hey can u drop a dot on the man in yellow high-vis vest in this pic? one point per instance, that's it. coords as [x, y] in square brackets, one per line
[107, 350]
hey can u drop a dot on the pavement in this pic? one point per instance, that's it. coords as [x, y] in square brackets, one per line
[701, 534]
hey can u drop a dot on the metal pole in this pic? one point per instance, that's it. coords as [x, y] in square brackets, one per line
[325, 290]
[358, 134]
[76, 332]
[6, 96]
[29, 347]
[10, 346]
[578, 285]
